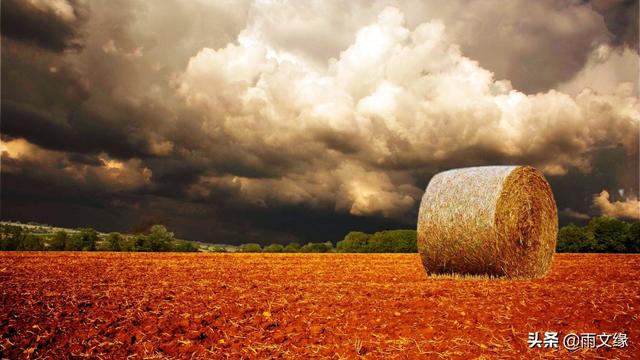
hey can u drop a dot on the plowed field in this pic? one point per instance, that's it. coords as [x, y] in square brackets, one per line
[114, 305]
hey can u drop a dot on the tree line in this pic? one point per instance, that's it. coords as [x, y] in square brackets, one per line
[388, 241]
[157, 239]
[293, 247]
[602, 235]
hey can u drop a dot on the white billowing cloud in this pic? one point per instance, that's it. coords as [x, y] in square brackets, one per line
[408, 98]
[628, 209]
[534, 44]
[365, 192]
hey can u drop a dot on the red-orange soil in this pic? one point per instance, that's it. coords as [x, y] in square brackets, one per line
[114, 305]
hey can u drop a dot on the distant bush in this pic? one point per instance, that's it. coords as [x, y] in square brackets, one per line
[114, 241]
[609, 234]
[317, 247]
[58, 241]
[393, 241]
[292, 247]
[388, 241]
[632, 242]
[289, 248]
[354, 242]
[73, 243]
[128, 243]
[274, 248]
[159, 239]
[572, 238]
[252, 248]
[141, 243]
[184, 246]
[31, 243]
[217, 249]
[86, 239]
[602, 235]
[10, 237]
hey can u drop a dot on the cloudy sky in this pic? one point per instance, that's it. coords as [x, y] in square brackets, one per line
[274, 121]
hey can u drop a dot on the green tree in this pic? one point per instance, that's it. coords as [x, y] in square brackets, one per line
[609, 233]
[114, 241]
[380, 242]
[160, 239]
[393, 241]
[330, 247]
[73, 242]
[58, 241]
[141, 243]
[12, 237]
[274, 248]
[89, 237]
[252, 247]
[216, 248]
[315, 248]
[572, 239]
[185, 246]
[632, 242]
[31, 243]
[406, 241]
[354, 242]
[128, 243]
[292, 247]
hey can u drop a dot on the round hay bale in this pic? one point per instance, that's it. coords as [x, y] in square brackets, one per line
[492, 220]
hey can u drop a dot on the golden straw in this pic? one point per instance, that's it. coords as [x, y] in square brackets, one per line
[491, 220]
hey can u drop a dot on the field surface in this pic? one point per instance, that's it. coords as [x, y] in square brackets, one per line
[136, 305]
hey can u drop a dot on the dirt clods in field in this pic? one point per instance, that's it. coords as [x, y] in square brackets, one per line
[114, 305]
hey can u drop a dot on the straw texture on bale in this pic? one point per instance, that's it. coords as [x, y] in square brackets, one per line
[492, 220]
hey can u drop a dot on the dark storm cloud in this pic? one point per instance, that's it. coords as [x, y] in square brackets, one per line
[53, 25]
[621, 18]
[86, 159]
[81, 132]
[613, 170]
[39, 188]
[534, 44]
[222, 120]
[22, 120]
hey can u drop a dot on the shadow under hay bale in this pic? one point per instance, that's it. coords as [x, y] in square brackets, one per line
[493, 220]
